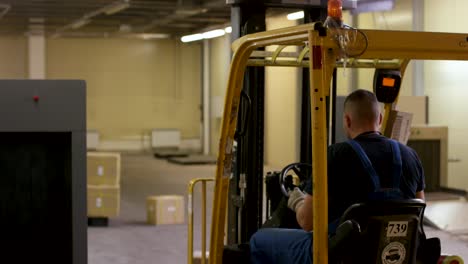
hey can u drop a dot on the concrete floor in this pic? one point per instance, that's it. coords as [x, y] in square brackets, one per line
[128, 240]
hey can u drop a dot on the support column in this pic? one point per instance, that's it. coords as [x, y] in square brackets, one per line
[206, 97]
[418, 65]
[353, 78]
[36, 57]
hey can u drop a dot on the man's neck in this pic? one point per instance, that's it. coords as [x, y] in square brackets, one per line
[365, 130]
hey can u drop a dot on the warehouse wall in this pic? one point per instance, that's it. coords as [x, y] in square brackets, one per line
[220, 60]
[445, 84]
[282, 108]
[14, 60]
[133, 85]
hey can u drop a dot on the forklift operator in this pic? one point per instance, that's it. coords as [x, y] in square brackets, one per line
[367, 167]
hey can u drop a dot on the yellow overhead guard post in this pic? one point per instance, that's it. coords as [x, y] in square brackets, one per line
[384, 49]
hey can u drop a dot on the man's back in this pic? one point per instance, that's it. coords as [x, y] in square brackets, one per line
[349, 182]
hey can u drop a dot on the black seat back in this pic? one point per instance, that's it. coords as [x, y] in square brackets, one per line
[389, 232]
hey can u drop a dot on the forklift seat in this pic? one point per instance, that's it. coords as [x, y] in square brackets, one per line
[382, 232]
[377, 232]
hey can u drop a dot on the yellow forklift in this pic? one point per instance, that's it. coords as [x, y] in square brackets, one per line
[323, 47]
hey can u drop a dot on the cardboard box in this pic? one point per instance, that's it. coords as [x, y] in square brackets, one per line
[165, 209]
[103, 168]
[103, 201]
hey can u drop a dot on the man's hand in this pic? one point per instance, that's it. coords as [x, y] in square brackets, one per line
[296, 199]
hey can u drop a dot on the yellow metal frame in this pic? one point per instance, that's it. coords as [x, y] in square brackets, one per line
[386, 49]
[190, 210]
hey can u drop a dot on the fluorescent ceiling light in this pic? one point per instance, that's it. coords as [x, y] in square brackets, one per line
[79, 23]
[206, 35]
[190, 38]
[112, 9]
[296, 15]
[154, 36]
[213, 34]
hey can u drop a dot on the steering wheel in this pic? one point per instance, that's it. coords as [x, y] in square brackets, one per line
[300, 169]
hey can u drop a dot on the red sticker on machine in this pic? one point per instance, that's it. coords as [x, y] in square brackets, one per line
[317, 57]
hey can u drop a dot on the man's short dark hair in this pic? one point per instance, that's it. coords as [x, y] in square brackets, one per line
[362, 105]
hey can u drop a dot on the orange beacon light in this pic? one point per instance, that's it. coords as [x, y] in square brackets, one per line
[335, 9]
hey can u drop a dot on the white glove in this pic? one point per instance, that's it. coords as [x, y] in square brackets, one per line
[296, 199]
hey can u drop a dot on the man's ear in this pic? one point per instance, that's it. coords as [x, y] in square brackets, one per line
[347, 121]
[380, 119]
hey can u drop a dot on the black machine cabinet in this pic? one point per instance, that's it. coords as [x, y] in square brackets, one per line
[43, 171]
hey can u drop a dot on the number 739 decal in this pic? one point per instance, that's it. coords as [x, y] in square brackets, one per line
[397, 229]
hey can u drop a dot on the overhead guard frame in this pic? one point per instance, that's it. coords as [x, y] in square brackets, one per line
[385, 49]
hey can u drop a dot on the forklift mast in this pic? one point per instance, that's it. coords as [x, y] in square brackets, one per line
[244, 218]
[245, 201]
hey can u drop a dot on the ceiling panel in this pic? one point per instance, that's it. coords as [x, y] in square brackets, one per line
[62, 18]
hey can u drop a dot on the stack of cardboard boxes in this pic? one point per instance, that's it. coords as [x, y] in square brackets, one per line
[103, 184]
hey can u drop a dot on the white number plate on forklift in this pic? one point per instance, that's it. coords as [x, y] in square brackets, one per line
[397, 229]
